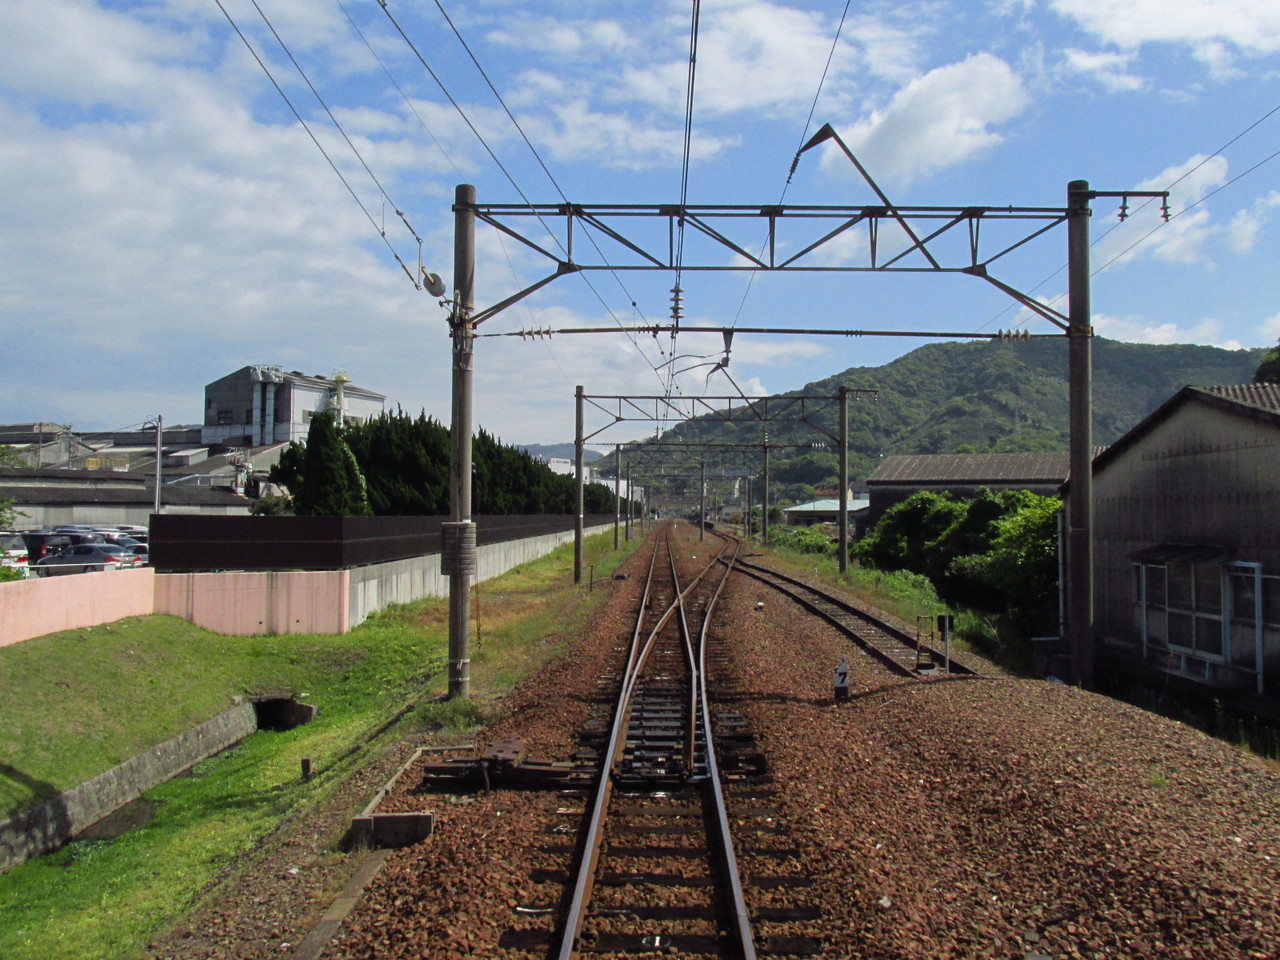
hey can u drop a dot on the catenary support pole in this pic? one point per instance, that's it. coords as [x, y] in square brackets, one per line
[844, 479]
[577, 487]
[1080, 387]
[159, 457]
[631, 500]
[702, 500]
[764, 494]
[617, 492]
[459, 535]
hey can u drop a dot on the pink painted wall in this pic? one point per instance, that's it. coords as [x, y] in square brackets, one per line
[243, 604]
[32, 608]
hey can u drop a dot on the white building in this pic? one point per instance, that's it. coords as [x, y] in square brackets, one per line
[262, 405]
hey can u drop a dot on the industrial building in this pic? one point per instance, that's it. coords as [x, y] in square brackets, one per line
[261, 405]
[963, 475]
[1187, 544]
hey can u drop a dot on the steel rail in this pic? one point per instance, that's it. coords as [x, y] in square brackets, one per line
[584, 882]
[790, 587]
[741, 919]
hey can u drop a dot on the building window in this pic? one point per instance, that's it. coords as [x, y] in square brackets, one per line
[1180, 607]
[224, 418]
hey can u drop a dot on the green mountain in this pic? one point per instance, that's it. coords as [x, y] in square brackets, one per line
[979, 397]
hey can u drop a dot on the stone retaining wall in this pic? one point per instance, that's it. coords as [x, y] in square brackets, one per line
[55, 821]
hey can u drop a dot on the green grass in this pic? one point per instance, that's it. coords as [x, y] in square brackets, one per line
[81, 701]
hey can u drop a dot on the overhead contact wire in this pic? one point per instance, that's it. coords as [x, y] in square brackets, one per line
[354, 196]
[532, 149]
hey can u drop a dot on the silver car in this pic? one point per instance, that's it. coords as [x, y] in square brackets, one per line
[86, 557]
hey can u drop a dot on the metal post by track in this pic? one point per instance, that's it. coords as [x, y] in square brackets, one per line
[631, 499]
[844, 479]
[577, 488]
[1080, 386]
[617, 492]
[458, 556]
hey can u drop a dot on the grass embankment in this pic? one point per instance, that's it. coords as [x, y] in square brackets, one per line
[82, 701]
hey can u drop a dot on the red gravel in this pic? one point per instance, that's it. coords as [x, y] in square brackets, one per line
[942, 819]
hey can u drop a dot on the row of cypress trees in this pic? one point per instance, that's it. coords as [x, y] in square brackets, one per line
[398, 465]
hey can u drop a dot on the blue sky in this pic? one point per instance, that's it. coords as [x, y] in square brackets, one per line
[166, 219]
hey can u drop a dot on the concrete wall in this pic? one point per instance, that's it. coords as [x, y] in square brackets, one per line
[377, 586]
[244, 604]
[51, 824]
[32, 608]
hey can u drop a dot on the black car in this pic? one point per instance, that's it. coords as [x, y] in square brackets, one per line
[85, 558]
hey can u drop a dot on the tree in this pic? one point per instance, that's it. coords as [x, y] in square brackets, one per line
[899, 540]
[323, 476]
[1269, 369]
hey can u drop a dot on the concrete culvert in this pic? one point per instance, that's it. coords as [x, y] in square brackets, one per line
[281, 713]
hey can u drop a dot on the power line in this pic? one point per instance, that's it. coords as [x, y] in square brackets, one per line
[381, 233]
[804, 136]
[1144, 204]
[403, 96]
[493, 156]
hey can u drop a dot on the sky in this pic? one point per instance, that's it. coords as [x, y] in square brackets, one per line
[167, 217]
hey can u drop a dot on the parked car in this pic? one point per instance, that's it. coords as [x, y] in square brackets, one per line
[86, 558]
[133, 530]
[13, 550]
[44, 543]
[139, 550]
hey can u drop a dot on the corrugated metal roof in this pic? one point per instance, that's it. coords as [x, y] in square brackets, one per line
[1263, 396]
[973, 468]
[826, 506]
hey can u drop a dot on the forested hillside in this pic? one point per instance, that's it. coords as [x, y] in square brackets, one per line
[978, 397]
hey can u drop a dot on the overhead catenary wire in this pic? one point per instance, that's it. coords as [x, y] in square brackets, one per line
[1173, 183]
[804, 136]
[493, 156]
[400, 90]
[319, 99]
[294, 110]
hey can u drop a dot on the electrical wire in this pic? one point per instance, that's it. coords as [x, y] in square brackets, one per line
[1142, 206]
[381, 233]
[403, 96]
[302, 73]
[804, 136]
[506, 173]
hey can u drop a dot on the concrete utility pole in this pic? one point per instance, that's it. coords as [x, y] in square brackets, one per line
[459, 535]
[159, 455]
[617, 492]
[1080, 389]
[702, 500]
[764, 494]
[844, 479]
[631, 499]
[577, 486]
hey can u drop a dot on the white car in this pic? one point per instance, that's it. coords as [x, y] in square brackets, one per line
[13, 551]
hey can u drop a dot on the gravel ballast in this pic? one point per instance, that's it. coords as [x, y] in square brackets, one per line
[949, 818]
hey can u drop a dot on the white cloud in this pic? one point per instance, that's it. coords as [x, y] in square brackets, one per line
[584, 39]
[936, 121]
[573, 132]
[1251, 26]
[1110, 70]
[1242, 232]
[1207, 332]
[753, 56]
[1183, 237]
[1270, 328]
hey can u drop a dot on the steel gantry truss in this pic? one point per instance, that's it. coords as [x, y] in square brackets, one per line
[921, 239]
[622, 408]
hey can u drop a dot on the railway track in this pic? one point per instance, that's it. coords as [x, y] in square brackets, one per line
[900, 652]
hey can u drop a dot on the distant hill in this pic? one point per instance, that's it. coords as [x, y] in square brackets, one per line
[980, 397]
[558, 451]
